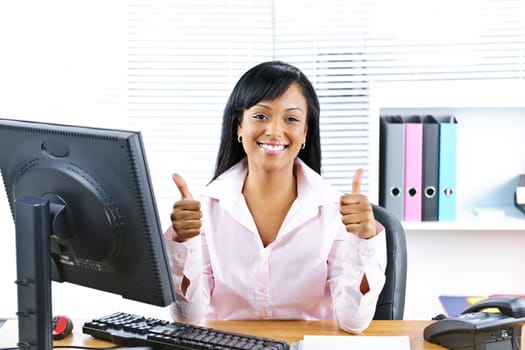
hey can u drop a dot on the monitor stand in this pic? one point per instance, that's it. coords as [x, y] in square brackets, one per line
[33, 231]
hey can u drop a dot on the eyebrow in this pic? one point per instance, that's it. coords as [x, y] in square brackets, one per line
[287, 109]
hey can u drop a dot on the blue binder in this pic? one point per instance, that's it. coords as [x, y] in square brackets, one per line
[448, 143]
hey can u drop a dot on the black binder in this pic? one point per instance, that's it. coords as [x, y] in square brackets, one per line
[430, 169]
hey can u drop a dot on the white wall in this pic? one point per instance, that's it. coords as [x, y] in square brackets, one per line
[461, 263]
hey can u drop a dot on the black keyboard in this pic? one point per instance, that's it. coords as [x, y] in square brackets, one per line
[134, 330]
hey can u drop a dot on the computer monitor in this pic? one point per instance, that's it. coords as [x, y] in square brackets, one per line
[85, 213]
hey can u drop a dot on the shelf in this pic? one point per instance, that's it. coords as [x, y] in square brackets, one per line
[491, 146]
[514, 220]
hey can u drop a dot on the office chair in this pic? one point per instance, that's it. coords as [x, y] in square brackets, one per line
[391, 302]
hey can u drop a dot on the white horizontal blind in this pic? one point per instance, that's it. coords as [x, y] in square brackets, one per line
[326, 41]
[184, 58]
[345, 46]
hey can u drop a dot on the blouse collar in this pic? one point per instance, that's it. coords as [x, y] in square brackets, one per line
[312, 190]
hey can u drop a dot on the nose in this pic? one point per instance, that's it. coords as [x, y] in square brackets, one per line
[275, 128]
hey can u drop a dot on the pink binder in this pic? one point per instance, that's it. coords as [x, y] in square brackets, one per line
[413, 169]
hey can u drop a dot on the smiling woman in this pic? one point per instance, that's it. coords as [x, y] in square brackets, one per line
[269, 206]
[166, 67]
[272, 133]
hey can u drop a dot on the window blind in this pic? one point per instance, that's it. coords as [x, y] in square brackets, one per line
[183, 60]
[345, 47]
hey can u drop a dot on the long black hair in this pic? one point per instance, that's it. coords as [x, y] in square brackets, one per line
[267, 81]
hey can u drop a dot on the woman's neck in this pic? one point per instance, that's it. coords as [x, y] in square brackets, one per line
[270, 185]
[269, 197]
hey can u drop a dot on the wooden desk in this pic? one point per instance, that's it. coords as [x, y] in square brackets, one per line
[288, 331]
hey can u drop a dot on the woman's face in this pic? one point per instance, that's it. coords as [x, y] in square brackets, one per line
[273, 131]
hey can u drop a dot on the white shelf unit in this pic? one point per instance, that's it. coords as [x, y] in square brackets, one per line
[491, 143]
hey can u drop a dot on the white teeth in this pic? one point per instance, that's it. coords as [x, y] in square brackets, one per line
[272, 148]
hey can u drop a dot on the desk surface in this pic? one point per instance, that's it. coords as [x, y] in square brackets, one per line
[289, 331]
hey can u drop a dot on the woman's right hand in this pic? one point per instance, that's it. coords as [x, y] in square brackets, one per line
[186, 215]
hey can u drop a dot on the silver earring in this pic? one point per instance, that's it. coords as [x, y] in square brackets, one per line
[239, 138]
[303, 146]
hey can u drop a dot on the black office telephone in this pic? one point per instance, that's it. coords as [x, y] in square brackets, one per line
[474, 329]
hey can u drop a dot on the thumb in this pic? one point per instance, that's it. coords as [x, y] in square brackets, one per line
[356, 181]
[182, 186]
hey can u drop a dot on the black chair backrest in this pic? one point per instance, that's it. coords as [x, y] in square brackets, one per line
[391, 303]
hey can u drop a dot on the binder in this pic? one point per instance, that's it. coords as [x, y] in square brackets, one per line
[413, 168]
[448, 139]
[392, 163]
[429, 209]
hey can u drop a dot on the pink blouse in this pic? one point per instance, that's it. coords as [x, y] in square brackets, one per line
[312, 271]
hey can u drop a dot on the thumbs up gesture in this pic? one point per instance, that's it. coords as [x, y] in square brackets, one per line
[356, 211]
[186, 215]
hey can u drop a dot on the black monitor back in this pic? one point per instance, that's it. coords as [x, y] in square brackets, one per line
[106, 233]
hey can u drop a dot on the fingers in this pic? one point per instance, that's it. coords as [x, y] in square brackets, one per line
[357, 180]
[182, 186]
[359, 219]
[186, 215]
[356, 211]
[186, 219]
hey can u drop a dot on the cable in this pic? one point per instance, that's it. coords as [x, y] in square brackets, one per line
[517, 342]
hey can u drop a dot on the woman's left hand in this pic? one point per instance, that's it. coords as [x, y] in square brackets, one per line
[356, 211]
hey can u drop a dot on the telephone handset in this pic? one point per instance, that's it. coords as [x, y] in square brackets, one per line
[507, 305]
[474, 329]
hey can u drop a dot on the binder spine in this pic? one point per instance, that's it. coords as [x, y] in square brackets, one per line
[392, 160]
[429, 211]
[413, 170]
[447, 170]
